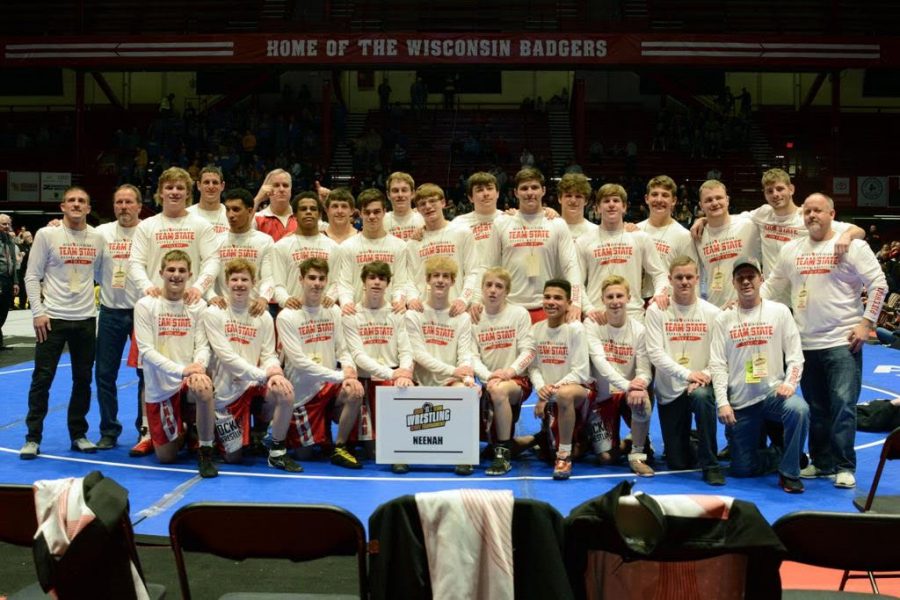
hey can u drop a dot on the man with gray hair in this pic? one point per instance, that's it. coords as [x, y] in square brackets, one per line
[118, 295]
[9, 280]
[825, 288]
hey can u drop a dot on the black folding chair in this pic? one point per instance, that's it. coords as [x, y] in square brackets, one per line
[882, 504]
[847, 541]
[18, 522]
[297, 532]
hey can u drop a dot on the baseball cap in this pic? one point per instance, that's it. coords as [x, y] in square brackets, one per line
[745, 261]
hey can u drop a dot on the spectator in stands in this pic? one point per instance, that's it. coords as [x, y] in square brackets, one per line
[595, 152]
[248, 144]
[140, 163]
[889, 331]
[471, 146]
[746, 102]
[9, 272]
[500, 175]
[167, 106]
[683, 214]
[573, 167]
[384, 94]
[526, 159]
[873, 238]
[631, 154]
[24, 252]
[450, 92]
[418, 95]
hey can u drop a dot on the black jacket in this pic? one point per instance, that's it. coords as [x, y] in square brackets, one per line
[97, 563]
[594, 525]
[398, 563]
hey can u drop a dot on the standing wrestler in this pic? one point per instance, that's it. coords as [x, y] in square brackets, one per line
[64, 263]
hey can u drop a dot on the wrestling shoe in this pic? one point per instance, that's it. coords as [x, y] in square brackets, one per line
[205, 462]
[500, 465]
[344, 458]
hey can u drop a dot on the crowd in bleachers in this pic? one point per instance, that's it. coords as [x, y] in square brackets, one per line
[245, 141]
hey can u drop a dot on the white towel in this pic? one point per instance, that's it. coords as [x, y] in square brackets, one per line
[468, 539]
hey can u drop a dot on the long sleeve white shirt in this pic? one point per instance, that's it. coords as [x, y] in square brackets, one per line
[440, 343]
[718, 249]
[117, 289]
[170, 336]
[257, 248]
[775, 231]
[534, 249]
[585, 227]
[451, 241]
[618, 355]
[312, 339]
[678, 340]
[217, 218]
[293, 249]
[503, 341]
[628, 254]
[159, 234]
[243, 348]
[480, 225]
[484, 236]
[378, 341]
[357, 252]
[403, 227]
[560, 355]
[63, 264]
[742, 336]
[825, 289]
[670, 241]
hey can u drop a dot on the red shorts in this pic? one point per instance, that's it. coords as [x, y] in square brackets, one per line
[605, 419]
[488, 427]
[581, 416]
[133, 352]
[365, 424]
[240, 412]
[311, 423]
[537, 314]
[164, 419]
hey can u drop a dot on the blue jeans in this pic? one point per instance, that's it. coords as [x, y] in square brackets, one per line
[112, 334]
[832, 379]
[886, 337]
[80, 337]
[747, 458]
[675, 421]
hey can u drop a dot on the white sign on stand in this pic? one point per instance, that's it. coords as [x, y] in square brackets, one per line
[427, 425]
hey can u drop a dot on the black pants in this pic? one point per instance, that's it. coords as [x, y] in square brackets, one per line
[6, 300]
[81, 336]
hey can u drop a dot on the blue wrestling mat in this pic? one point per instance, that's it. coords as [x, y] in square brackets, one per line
[157, 491]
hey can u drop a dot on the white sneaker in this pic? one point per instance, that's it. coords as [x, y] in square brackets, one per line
[83, 444]
[30, 451]
[845, 479]
[811, 471]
